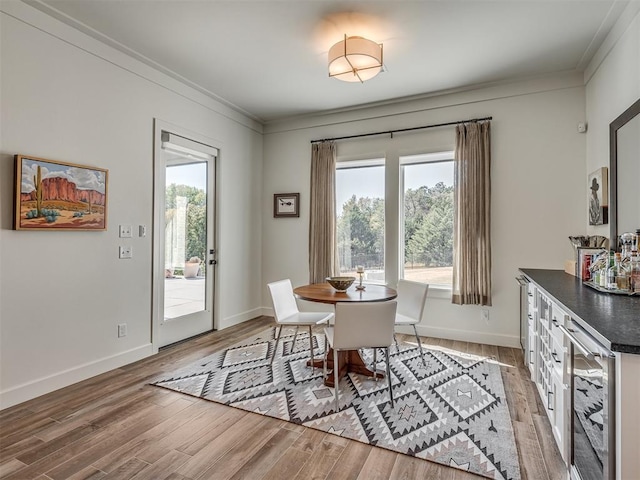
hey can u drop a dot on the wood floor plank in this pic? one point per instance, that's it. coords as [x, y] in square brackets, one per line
[309, 439]
[154, 416]
[556, 467]
[321, 461]
[201, 461]
[288, 465]
[119, 422]
[16, 449]
[532, 465]
[409, 468]
[43, 449]
[378, 465]
[128, 469]
[63, 455]
[11, 466]
[267, 456]
[195, 443]
[89, 473]
[164, 467]
[239, 454]
[474, 349]
[350, 462]
[149, 439]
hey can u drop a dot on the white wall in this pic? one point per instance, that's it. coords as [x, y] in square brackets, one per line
[612, 85]
[538, 187]
[68, 97]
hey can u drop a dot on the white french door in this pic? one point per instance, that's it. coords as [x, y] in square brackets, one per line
[184, 233]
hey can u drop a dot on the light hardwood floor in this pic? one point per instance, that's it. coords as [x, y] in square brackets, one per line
[116, 426]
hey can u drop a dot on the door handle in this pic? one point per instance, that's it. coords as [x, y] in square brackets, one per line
[584, 350]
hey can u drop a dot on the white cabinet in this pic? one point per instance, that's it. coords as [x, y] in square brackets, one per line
[547, 359]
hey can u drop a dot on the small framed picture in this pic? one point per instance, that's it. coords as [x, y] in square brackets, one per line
[599, 197]
[286, 205]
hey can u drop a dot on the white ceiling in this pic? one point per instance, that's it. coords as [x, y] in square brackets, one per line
[268, 59]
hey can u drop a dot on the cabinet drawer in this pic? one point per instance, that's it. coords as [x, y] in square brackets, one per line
[558, 317]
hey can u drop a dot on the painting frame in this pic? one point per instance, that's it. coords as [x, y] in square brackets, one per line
[56, 195]
[286, 205]
[598, 204]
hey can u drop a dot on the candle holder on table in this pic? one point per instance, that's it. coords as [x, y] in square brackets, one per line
[360, 272]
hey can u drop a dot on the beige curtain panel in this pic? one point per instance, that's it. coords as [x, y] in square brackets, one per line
[322, 221]
[472, 215]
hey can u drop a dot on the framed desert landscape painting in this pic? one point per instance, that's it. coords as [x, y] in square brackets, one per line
[53, 195]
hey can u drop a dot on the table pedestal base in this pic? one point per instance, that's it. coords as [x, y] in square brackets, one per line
[348, 361]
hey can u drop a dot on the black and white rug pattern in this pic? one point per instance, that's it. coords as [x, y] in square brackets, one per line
[453, 411]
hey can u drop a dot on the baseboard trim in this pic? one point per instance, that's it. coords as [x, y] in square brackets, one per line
[240, 317]
[464, 335]
[41, 386]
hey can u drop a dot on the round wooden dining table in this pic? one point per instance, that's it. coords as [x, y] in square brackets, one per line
[348, 360]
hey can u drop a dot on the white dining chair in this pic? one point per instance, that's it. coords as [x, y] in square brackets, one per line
[286, 313]
[360, 325]
[412, 297]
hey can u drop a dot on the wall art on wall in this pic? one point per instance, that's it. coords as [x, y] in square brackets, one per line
[286, 205]
[52, 195]
[599, 197]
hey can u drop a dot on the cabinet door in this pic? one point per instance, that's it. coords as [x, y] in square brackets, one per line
[531, 351]
[556, 406]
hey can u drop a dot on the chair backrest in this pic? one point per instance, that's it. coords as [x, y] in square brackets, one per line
[411, 298]
[284, 302]
[360, 325]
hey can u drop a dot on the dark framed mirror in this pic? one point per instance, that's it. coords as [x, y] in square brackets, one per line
[624, 173]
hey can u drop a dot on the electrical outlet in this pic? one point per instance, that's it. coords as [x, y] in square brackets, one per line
[125, 231]
[484, 314]
[126, 252]
[122, 330]
[142, 230]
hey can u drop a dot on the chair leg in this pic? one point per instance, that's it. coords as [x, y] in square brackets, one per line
[375, 363]
[293, 345]
[336, 367]
[396, 340]
[389, 376]
[324, 360]
[424, 363]
[275, 347]
[313, 367]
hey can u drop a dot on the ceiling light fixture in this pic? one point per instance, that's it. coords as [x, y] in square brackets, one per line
[355, 59]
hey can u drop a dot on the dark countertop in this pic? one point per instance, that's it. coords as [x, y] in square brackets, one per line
[614, 320]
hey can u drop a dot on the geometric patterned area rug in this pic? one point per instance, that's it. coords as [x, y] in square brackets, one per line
[453, 411]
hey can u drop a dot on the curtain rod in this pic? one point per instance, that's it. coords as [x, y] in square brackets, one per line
[391, 132]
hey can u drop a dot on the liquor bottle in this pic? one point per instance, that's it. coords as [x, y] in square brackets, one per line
[612, 273]
[634, 272]
[622, 276]
[602, 277]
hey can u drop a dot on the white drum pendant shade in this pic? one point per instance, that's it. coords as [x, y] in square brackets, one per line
[355, 59]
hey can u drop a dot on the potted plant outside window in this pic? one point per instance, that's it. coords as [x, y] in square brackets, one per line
[191, 267]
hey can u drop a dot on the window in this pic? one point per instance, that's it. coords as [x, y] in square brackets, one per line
[360, 223]
[427, 220]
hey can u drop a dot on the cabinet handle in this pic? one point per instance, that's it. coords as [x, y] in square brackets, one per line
[555, 322]
[555, 357]
[531, 357]
[576, 342]
[549, 400]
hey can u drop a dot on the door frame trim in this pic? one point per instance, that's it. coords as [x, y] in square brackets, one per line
[159, 178]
